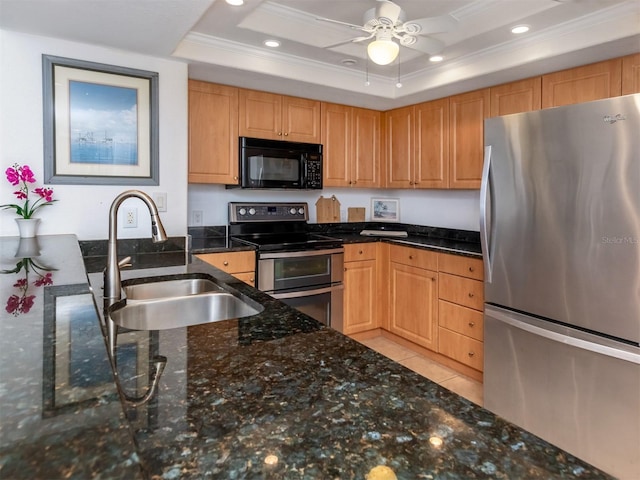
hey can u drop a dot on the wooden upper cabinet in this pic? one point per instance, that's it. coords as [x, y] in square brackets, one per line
[365, 151]
[631, 74]
[351, 142]
[516, 97]
[336, 155]
[213, 133]
[466, 135]
[278, 117]
[431, 149]
[582, 84]
[399, 147]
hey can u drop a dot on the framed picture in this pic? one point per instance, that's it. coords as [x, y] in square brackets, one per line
[100, 123]
[385, 210]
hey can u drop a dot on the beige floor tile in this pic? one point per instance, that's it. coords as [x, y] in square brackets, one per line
[389, 349]
[465, 387]
[428, 368]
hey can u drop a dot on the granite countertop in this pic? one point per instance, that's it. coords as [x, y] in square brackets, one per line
[273, 396]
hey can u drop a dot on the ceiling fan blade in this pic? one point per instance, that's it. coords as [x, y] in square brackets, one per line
[444, 23]
[352, 40]
[351, 25]
[388, 12]
[427, 45]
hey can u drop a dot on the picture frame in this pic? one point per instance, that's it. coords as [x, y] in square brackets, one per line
[100, 123]
[385, 210]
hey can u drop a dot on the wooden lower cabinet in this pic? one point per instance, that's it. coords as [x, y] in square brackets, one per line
[360, 312]
[241, 265]
[413, 296]
[460, 310]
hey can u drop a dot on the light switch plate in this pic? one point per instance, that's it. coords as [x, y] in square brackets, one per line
[160, 199]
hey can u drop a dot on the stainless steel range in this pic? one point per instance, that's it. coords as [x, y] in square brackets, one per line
[302, 269]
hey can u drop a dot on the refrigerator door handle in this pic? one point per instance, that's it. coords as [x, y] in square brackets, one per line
[484, 219]
[554, 333]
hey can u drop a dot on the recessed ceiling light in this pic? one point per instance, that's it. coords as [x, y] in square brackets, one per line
[235, 3]
[520, 29]
[272, 43]
[436, 58]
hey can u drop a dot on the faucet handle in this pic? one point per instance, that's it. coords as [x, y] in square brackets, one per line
[125, 262]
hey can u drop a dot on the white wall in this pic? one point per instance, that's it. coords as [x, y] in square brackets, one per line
[84, 209]
[437, 208]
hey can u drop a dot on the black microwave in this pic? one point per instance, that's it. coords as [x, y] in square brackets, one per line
[278, 164]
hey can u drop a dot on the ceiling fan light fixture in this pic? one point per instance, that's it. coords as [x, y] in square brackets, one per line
[383, 52]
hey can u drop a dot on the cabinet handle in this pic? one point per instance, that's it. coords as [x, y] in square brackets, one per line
[471, 269]
[471, 354]
[410, 257]
[472, 324]
[279, 134]
[470, 295]
[360, 252]
[225, 263]
[286, 134]
[433, 279]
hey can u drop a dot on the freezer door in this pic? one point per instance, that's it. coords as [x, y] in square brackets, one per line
[561, 234]
[575, 390]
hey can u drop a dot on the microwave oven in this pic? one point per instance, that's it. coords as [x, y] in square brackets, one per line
[278, 164]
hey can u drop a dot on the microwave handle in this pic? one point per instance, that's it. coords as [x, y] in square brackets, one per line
[305, 166]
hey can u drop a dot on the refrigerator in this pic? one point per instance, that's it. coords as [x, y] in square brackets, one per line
[560, 234]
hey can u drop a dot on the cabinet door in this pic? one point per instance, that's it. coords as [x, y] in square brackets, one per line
[360, 297]
[631, 74]
[365, 148]
[516, 97]
[582, 84]
[466, 135]
[399, 147]
[231, 262]
[336, 141]
[213, 133]
[431, 157]
[300, 120]
[413, 309]
[260, 115]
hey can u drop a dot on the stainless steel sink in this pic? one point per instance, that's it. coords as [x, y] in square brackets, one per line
[169, 288]
[176, 312]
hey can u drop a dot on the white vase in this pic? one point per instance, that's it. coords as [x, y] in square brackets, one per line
[27, 227]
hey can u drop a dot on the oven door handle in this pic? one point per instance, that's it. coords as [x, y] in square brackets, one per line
[303, 253]
[307, 293]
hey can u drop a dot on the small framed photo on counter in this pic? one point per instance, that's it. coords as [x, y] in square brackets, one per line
[385, 210]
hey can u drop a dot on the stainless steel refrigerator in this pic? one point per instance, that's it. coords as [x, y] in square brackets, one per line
[560, 231]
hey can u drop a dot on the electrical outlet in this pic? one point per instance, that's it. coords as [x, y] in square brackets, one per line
[196, 218]
[131, 218]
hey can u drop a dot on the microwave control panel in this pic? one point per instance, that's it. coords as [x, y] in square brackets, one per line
[268, 212]
[314, 172]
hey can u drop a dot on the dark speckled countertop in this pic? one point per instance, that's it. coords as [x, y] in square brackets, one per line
[273, 396]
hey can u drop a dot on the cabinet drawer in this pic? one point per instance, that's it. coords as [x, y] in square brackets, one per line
[231, 262]
[359, 251]
[414, 257]
[460, 290]
[461, 348]
[461, 319]
[462, 266]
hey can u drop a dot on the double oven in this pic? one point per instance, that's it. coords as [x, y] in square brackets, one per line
[304, 270]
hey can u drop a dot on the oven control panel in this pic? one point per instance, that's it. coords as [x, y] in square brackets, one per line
[268, 212]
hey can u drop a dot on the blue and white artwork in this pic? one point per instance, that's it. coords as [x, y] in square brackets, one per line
[103, 123]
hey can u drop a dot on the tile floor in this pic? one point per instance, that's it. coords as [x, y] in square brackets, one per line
[463, 386]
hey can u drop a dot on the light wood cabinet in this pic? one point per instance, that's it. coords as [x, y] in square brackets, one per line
[417, 145]
[582, 84]
[466, 132]
[213, 133]
[460, 309]
[516, 97]
[631, 74]
[351, 142]
[413, 295]
[278, 117]
[241, 265]
[361, 291]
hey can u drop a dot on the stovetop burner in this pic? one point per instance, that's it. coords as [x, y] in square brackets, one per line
[275, 227]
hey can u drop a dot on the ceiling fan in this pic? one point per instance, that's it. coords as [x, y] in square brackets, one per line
[386, 22]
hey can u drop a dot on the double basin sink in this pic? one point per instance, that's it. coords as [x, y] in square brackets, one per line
[178, 301]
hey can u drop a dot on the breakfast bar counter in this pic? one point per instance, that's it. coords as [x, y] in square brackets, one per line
[272, 396]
